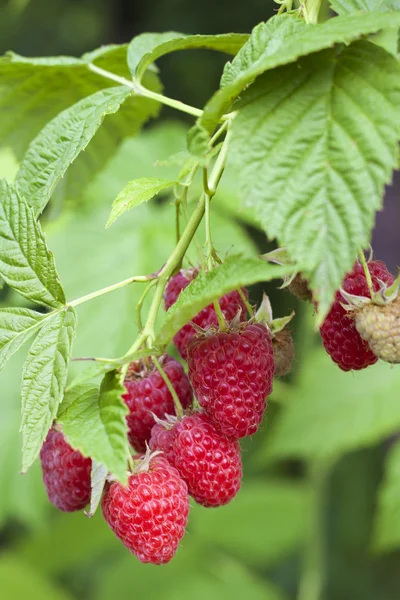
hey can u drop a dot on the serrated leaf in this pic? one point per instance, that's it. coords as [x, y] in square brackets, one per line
[281, 41]
[135, 193]
[61, 141]
[145, 49]
[26, 265]
[94, 423]
[235, 272]
[43, 381]
[98, 477]
[344, 7]
[328, 413]
[387, 528]
[313, 155]
[16, 327]
[34, 91]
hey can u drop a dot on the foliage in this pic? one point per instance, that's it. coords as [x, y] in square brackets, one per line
[298, 142]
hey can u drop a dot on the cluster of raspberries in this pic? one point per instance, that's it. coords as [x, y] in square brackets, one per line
[230, 373]
[198, 454]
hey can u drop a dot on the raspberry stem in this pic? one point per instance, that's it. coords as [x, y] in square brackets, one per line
[367, 273]
[220, 316]
[247, 304]
[177, 403]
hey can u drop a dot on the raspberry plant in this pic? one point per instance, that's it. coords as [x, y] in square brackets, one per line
[306, 115]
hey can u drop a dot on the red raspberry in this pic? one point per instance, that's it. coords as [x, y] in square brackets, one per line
[209, 462]
[339, 335]
[231, 373]
[230, 305]
[148, 393]
[149, 515]
[66, 473]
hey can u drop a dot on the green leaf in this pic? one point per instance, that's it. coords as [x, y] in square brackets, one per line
[20, 580]
[145, 49]
[198, 140]
[314, 153]
[95, 424]
[135, 193]
[34, 91]
[328, 413]
[61, 141]
[25, 262]
[98, 479]
[387, 527]
[281, 507]
[281, 41]
[345, 7]
[16, 327]
[236, 271]
[43, 381]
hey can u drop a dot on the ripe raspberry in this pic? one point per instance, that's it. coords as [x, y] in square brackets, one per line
[230, 305]
[282, 343]
[339, 335]
[66, 473]
[380, 327]
[149, 515]
[209, 462]
[148, 393]
[231, 373]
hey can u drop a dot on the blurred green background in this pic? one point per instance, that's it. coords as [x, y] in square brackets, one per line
[318, 516]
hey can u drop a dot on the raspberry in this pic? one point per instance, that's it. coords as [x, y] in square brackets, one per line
[209, 462]
[282, 343]
[148, 393]
[66, 473]
[339, 335]
[231, 373]
[380, 327]
[149, 515]
[230, 305]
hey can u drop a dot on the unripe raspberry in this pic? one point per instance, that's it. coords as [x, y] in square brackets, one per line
[379, 326]
[209, 462]
[150, 515]
[66, 473]
[148, 395]
[231, 373]
[340, 337]
[231, 304]
[282, 343]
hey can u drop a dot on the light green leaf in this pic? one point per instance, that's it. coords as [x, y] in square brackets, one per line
[34, 91]
[25, 262]
[329, 412]
[345, 7]
[16, 327]
[387, 526]
[264, 523]
[43, 381]
[98, 479]
[135, 193]
[61, 141]
[145, 49]
[198, 140]
[313, 155]
[94, 423]
[235, 272]
[20, 580]
[281, 41]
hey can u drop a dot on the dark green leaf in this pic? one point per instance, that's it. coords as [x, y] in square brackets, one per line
[313, 154]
